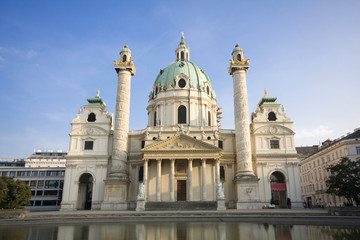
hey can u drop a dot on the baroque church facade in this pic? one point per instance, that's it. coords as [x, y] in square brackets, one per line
[183, 158]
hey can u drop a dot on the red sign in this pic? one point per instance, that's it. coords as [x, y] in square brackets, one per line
[278, 186]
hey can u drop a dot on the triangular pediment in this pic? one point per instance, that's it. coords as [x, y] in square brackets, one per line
[181, 142]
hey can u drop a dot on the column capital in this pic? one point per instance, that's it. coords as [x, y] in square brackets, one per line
[190, 159]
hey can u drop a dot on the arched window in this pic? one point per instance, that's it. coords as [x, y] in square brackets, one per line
[182, 56]
[277, 177]
[272, 116]
[208, 90]
[124, 58]
[209, 118]
[154, 118]
[156, 91]
[177, 56]
[91, 117]
[239, 57]
[222, 173]
[182, 114]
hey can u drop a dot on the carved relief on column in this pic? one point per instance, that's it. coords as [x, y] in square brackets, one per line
[242, 130]
[172, 179]
[121, 127]
[190, 191]
[203, 179]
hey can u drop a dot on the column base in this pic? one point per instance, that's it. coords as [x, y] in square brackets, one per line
[68, 206]
[115, 196]
[140, 205]
[221, 205]
[247, 191]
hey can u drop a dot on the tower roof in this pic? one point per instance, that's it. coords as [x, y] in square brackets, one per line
[96, 101]
[237, 48]
[267, 99]
[125, 49]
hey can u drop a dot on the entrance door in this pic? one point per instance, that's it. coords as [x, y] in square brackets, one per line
[181, 190]
[85, 192]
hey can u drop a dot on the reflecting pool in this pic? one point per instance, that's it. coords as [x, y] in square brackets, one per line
[179, 230]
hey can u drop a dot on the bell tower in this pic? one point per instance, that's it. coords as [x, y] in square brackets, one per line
[116, 184]
[246, 181]
[182, 52]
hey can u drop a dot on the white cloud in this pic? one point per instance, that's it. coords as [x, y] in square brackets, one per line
[31, 53]
[320, 131]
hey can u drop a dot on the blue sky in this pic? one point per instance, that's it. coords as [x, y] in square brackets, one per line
[55, 54]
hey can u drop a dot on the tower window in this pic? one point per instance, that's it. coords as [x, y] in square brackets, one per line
[182, 83]
[182, 56]
[124, 58]
[154, 118]
[91, 117]
[182, 114]
[222, 173]
[209, 118]
[89, 145]
[272, 116]
[220, 144]
[156, 91]
[239, 57]
[141, 174]
[274, 144]
[208, 90]
[177, 56]
[142, 144]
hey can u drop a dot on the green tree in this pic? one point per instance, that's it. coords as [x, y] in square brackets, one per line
[13, 193]
[345, 180]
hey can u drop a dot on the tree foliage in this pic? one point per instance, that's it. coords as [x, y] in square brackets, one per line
[13, 193]
[345, 180]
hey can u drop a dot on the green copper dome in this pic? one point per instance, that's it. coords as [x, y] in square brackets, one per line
[237, 48]
[125, 49]
[198, 77]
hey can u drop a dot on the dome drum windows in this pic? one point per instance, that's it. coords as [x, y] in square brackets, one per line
[181, 114]
[182, 83]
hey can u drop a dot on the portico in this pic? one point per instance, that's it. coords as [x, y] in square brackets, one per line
[181, 168]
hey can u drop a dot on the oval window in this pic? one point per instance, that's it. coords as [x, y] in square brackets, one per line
[182, 83]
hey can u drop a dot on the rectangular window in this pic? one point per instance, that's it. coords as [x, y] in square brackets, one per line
[34, 173]
[142, 144]
[4, 173]
[357, 150]
[41, 184]
[37, 203]
[221, 144]
[42, 173]
[274, 144]
[89, 145]
[12, 173]
[33, 184]
[39, 193]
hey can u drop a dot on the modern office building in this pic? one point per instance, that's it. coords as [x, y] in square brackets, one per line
[44, 172]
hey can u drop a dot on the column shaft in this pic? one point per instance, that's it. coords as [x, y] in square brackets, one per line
[242, 126]
[158, 181]
[217, 171]
[146, 177]
[121, 126]
[172, 176]
[203, 179]
[190, 191]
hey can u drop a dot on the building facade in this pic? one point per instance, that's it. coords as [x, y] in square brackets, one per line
[183, 157]
[313, 169]
[44, 172]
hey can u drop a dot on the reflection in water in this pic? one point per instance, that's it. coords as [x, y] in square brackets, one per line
[180, 230]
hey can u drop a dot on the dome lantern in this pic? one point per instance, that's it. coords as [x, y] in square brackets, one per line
[125, 54]
[182, 52]
[237, 53]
